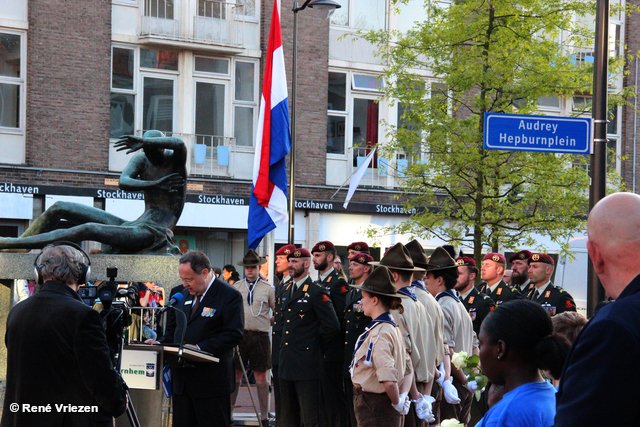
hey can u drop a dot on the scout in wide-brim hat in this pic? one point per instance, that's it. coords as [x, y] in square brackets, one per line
[380, 282]
[440, 260]
[251, 259]
[398, 258]
[417, 254]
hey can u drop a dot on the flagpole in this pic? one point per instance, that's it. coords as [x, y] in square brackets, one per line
[292, 153]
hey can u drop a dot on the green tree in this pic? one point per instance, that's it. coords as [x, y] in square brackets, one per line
[488, 56]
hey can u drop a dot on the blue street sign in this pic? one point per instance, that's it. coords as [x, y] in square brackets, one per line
[517, 132]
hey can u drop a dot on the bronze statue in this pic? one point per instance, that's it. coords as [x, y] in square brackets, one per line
[159, 172]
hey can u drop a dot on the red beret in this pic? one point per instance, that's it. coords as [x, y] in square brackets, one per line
[523, 255]
[322, 246]
[363, 259]
[358, 246]
[286, 250]
[465, 260]
[299, 253]
[541, 258]
[494, 256]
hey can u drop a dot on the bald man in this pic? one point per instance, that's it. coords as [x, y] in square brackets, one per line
[599, 385]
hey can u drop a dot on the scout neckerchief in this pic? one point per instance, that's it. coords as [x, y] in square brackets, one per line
[448, 293]
[251, 287]
[383, 318]
[408, 291]
[419, 284]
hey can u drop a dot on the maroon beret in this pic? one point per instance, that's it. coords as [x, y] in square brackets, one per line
[494, 256]
[541, 258]
[523, 255]
[286, 250]
[358, 246]
[466, 260]
[363, 259]
[299, 253]
[322, 246]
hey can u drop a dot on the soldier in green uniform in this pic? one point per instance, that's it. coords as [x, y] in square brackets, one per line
[478, 305]
[355, 321]
[552, 298]
[493, 266]
[310, 326]
[336, 413]
[282, 267]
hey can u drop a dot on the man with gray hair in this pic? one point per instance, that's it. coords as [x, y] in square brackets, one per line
[59, 370]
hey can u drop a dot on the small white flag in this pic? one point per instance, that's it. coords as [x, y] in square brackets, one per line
[357, 177]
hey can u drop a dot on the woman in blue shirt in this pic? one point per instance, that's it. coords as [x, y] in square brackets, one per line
[515, 339]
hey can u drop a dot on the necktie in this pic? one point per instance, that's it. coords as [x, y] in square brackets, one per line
[294, 286]
[194, 308]
[536, 294]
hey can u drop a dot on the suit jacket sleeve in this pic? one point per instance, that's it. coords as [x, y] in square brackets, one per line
[594, 382]
[94, 364]
[233, 318]
[329, 325]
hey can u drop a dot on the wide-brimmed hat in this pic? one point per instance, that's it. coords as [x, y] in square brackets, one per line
[251, 259]
[418, 256]
[398, 258]
[440, 260]
[380, 282]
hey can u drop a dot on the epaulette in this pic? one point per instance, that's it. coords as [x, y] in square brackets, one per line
[561, 290]
[341, 277]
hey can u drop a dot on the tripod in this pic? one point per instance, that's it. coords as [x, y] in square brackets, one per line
[115, 323]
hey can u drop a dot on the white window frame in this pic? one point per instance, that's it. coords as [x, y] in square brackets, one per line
[240, 103]
[227, 98]
[350, 22]
[20, 81]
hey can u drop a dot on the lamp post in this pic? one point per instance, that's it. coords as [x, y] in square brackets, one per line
[324, 8]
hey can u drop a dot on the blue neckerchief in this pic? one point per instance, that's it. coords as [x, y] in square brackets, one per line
[419, 284]
[383, 318]
[448, 293]
[408, 291]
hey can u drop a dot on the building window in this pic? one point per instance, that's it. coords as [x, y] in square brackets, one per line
[134, 72]
[365, 129]
[245, 103]
[159, 8]
[361, 14]
[337, 106]
[11, 81]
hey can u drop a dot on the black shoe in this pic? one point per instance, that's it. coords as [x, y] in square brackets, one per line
[264, 423]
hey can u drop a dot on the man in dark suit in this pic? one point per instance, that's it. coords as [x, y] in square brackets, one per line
[599, 384]
[310, 325]
[58, 354]
[202, 394]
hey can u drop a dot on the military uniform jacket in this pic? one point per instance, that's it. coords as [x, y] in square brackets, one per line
[276, 332]
[554, 299]
[354, 323]
[310, 325]
[502, 293]
[478, 305]
[338, 289]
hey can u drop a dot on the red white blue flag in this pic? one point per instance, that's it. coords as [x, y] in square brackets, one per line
[268, 202]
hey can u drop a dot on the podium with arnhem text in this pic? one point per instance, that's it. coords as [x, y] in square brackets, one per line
[141, 368]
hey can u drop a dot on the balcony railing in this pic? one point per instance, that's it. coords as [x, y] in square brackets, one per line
[209, 155]
[214, 23]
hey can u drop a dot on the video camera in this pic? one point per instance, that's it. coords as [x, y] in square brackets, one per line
[109, 290]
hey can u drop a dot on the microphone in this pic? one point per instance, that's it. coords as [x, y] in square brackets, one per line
[177, 299]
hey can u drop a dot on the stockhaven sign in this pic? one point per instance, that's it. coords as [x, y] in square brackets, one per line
[517, 132]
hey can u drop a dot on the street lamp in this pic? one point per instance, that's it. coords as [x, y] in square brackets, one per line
[325, 9]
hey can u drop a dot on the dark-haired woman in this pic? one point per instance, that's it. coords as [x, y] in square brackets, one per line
[515, 339]
[380, 360]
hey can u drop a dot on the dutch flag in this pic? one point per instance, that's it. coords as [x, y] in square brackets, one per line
[268, 202]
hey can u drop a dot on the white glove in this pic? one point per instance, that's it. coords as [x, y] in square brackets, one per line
[450, 393]
[424, 408]
[440, 379]
[403, 405]
[472, 386]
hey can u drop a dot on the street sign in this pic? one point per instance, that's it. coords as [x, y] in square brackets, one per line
[518, 132]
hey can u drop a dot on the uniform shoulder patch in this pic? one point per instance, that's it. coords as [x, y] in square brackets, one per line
[569, 304]
[325, 298]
